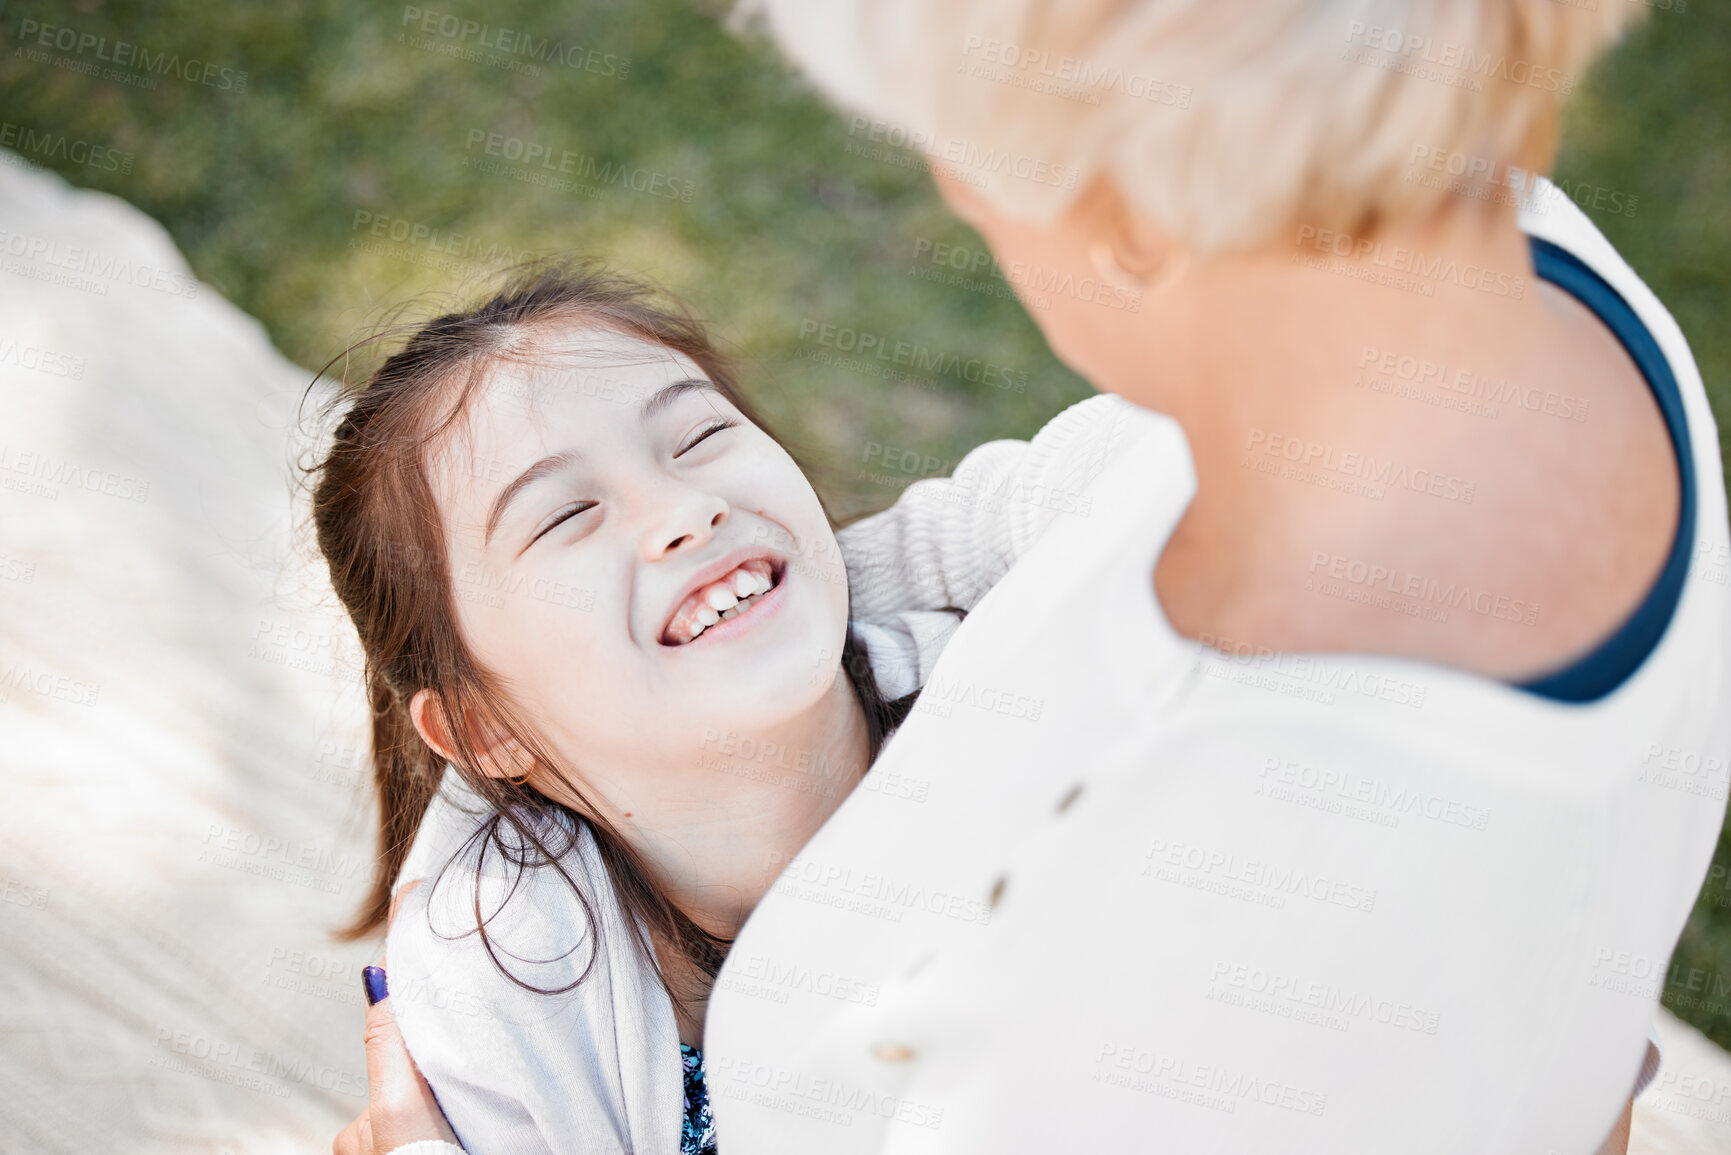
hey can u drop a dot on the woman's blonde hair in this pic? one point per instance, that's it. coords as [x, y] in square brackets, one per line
[1227, 122]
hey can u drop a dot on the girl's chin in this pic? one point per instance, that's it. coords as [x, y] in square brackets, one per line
[763, 698]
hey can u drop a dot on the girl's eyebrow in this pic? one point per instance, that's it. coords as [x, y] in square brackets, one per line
[552, 463]
[668, 394]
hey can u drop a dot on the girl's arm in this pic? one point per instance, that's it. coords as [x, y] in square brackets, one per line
[947, 541]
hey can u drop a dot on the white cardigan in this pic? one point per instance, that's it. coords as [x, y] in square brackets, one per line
[1155, 896]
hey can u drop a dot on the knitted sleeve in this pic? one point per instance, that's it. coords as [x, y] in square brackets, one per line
[948, 540]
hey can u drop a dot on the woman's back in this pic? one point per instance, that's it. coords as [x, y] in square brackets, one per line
[1556, 486]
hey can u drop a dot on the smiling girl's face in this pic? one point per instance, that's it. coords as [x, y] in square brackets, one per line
[645, 570]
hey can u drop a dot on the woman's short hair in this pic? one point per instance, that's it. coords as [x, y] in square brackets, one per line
[1227, 122]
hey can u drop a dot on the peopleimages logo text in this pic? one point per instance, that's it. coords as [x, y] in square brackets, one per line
[125, 54]
[1400, 259]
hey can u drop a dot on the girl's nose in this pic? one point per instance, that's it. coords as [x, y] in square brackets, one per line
[689, 523]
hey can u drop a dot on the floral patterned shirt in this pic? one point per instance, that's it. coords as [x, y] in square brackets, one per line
[698, 1137]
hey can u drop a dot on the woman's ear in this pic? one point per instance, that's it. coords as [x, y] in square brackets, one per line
[501, 756]
[1124, 247]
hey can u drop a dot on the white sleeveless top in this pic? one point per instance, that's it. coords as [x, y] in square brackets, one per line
[1152, 894]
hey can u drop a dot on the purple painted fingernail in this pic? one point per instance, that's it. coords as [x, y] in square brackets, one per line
[373, 982]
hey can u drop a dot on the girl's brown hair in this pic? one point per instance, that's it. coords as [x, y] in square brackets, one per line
[379, 530]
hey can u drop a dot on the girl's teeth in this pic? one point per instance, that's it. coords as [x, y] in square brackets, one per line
[740, 608]
[708, 617]
[726, 599]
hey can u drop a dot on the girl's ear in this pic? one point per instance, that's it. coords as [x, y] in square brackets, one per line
[501, 755]
[505, 757]
[429, 719]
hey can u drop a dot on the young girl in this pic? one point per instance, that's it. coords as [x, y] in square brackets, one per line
[615, 686]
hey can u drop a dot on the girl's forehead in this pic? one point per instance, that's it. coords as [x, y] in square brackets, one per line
[578, 364]
[570, 383]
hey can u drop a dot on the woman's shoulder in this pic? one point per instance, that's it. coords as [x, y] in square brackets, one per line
[1549, 216]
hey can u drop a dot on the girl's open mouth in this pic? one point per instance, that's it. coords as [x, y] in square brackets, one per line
[733, 595]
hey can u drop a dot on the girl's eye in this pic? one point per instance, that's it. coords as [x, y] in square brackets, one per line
[709, 430]
[560, 518]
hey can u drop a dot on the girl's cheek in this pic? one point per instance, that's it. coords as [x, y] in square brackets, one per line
[788, 496]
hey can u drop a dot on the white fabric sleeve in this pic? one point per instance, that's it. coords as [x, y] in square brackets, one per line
[947, 541]
[427, 1147]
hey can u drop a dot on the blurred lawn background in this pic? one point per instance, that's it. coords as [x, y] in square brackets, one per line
[350, 117]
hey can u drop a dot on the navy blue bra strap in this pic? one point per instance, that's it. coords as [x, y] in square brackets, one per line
[1613, 660]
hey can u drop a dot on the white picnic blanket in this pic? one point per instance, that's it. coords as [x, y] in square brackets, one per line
[180, 728]
[183, 818]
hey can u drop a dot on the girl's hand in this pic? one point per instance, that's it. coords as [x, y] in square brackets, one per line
[401, 1108]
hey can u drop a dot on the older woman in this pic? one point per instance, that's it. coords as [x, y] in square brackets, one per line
[1335, 769]
[1356, 815]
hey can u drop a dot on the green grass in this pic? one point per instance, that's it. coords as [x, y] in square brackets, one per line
[784, 225]
[261, 190]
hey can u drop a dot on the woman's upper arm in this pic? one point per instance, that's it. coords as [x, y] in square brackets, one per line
[949, 540]
[943, 543]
